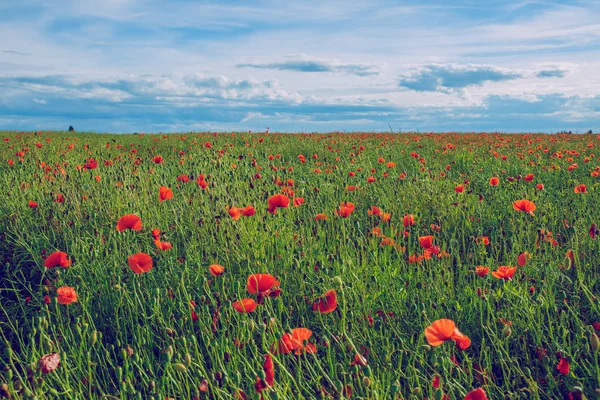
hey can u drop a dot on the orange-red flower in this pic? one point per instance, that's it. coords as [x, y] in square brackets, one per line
[248, 211]
[477, 394]
[164, 193]
[445, 329]
[261, 284]
[66, 295]
[235, 213]
[408, 220]
[140, 263]
[326, 304]
[494, 181]
[278, 201]
[525, 206]
[529, 177]
[345, 209]
[321, 217]
[295, 342]
[481, 270]
[216, 269]
[57, 259]
[426, 242]
[522, 259]
[298, 201]
[459, 188]
[563, 366]
[162, 245]
[32, 204]
[580, 189]
[129, 221]
[504, 272]
[246, 305]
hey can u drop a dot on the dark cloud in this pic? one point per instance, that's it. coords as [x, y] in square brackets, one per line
[443, 78]
[551, 73]
[315, 66]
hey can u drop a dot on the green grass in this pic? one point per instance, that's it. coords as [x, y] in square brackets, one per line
[132, 336]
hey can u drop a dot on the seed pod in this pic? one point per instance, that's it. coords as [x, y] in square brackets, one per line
[594, 342]
[179, 367]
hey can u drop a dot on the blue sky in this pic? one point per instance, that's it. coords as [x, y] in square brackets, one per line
[180, 65]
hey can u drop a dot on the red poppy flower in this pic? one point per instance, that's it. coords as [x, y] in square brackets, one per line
[321, 217]
[216, 269]
[539, 186]
[445, 329]
[248, 211]
[129, 221]
[426, 241]
[408, 220]
[477, 394]
[235, 213]
[269, 370]
[529, 177]
[57, 259]
[278, 201]
[183, 178]
[66, 295]
[298, 201]
[49, 363]
[525, 206]
[563, 366]
[522, 259]
[158, 159]
[374, 211]
[345, 209]
[580, 189]
[140, 263]
[164, 193]
[162, 245]
[295, 342]
[246, 305]
[481, 271]
[32, 204]
[494, 181]
[459, 188]
[261, 284]
[327, 304]
[504, 272]
[155, 233]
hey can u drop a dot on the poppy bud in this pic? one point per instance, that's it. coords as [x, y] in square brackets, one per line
[188, 359]
[339, 386]
[367, 370]
[438, 395]
[119, 373]
[567, 263]
[94, 338]
[594, 342]
[395, 387]
[366, 381]
[506, 331]
[179, 367]
[337, 281]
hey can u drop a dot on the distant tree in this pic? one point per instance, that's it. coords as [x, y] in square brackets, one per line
[71, 129]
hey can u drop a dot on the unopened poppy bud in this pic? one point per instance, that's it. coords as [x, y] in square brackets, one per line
[188, 359]
[119, 373]
[151, 386]
[337, 281]
[567, 263]
[251, 325]
[506, 331]
[93, 338]
[438, 395]
[395, 387]
[339, 386]
[261, 374]
[594, 342]
[367, 370]
[179, 367]
[366, 381]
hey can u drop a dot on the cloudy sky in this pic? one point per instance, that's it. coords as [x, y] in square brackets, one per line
[300, 65]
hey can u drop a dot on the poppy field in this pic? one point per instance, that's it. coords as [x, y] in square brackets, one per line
[299, 266]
